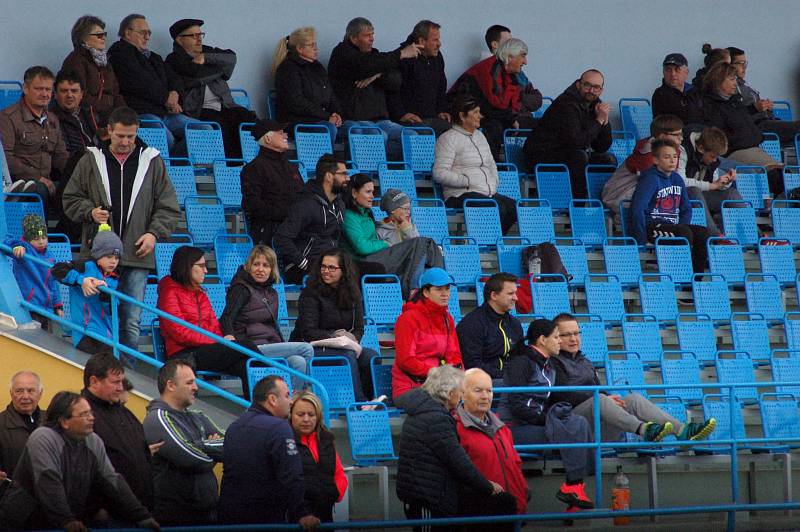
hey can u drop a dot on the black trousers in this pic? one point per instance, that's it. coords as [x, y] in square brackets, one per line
[469, 503]
[94, 347]
[221, 358]
[230, 118]
[697, 235]
[506, 205]
[785, 130]
[575, 161]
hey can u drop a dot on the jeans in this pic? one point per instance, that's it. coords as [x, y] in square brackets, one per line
[297, 355]
[132, 282]
[360, 368]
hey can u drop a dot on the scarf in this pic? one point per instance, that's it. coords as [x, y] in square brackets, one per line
[99, 57]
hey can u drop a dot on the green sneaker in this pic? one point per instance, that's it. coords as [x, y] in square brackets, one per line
[653, 431]
[698, 431]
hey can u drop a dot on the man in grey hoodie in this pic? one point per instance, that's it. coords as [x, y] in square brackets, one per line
[183, 469]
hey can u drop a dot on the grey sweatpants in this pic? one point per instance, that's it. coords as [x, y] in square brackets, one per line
[614, 419]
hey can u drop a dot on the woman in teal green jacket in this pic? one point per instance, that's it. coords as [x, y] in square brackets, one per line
[408, 259]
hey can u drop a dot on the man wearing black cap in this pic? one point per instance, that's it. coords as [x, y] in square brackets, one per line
[204, 72]
[674, 96]
[269, 182]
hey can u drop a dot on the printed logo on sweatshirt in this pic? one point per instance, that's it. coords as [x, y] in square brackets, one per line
[291, 447]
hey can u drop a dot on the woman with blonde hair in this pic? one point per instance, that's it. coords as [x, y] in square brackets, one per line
[251, 311]
[305, 94]
[326, 482]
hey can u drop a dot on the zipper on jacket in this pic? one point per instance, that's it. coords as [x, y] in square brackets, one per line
[486, 177]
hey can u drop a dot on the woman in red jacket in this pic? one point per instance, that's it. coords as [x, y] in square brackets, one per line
[181, 294]
[425, 334]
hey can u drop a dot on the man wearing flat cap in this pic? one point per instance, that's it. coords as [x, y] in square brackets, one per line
[269, 182]
[674, 96]
[204, 72]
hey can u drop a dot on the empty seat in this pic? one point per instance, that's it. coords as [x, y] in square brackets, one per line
[682, 367]
[333, 373]
[482, 219]
[641, 334]
[509, 255]
[772, 145]
[751, 334]
[546, 103]
[205, 219]
[430, 217]
[154, 134]
[535, 219]
[674, 256]
[549, 295]
[513, 141]
[249, 145]
[696, 334]
[181, 175]
[657, 296]
[593, 338]
[718, 406]
[508, 180]
[736, 367]
[776, 257]
[231, 251]
[312, 142]
[698, 213]
[397, 175]
[791, 177]
[785, 365]
[462, 261]
[150, 299]
[587, 220]
[204, 142]
[241, 98]
[454, 304]
[725, 257]
[622, 145]
[216, 292]
[786, 220]
[752, 184]
[370, 435]
[553, 184]
[165, 250]
[10, 93]
[604, 296]
[636, 115]
[257, 370]
[367, 147]
[782, 110]
[574, 258]
[596, 177]
[383, 298]
[419, 145]
[739, 220]
[621, 257]
[780, 416]
[228, 182]
[625, 368]
[711, 297]
[764, 295]
[381, 369]
[17, 206]
[791, 328]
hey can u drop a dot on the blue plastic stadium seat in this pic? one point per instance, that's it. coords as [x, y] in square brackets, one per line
[751, 334]
[205, 219]
[791, 177]
[154, 134]
[228, 182]
[508, 181]
[777, 258]
[216, 292]
[462, 261]
[674, 256]
[150, 298]
[249, 145]
[641, 334]
[625, 368]
[711, 296]
[381, 369]
[553, 184]
[509, 255]
[622, 145]
[546, 103]
[367, 147]
[786, 220]
[736, 367]
[726, 258]
[621, 256]
[596, 177]
[593, 338]
[785, 365]
[204, 142]
[513, 141]
[636, 116]
[454, 304]
[780, 416]
[764, 295]
[772, 145]
[657, 296]
[430, 217]
[782, 110]
[370, 434]
[419, 144]
[333, 373]
[588, 221]
[752, 184]
[718, 406]
[696, 334]
[397, 175]
[157, 341]
[698, 213]
[240, 97]
[181, 174]
[482, 219]
[165, 250]
[383, 301]
[535, 219]
[682, 367]
[312, 142]
[604, 297]
[574, 258]
[231, 251]
[10, 93]
[791, 327]
[550, 295]
[19, 206]
[257, 370]
[739, 220]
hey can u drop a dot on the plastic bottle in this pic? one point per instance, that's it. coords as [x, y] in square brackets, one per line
[621, 496]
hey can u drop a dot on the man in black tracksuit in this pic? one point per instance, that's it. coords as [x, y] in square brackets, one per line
[488, 334]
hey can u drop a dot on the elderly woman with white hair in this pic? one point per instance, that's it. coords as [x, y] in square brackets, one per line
[433, 465]
[495, 82]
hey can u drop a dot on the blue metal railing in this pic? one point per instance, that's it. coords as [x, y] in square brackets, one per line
[117, 347]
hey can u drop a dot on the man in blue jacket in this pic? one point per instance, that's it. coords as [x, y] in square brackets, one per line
[262, 481]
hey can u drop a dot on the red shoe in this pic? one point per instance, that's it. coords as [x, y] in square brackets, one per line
[574, 495]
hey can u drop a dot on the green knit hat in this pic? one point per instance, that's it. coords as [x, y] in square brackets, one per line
[33, 226]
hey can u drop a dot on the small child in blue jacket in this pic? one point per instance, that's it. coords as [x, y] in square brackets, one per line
[660, 206]
[90, 309]
[36, 283]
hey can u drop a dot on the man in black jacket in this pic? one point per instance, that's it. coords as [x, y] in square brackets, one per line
[634, 413]
[118, 427]
[574, 131]
[22, 416]
[488, 334]
[270, 183]
[150, 88]
[675, 96]
[204, 72]
[422, 100]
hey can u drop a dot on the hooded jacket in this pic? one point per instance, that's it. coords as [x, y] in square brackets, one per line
[487, 339]
[528, 367]
[733, 118]
[305, 94]
[100, 85]
[144, 80]
[145, 202]
[490, 446]
[251, 310]
[569, 124]
[91, 313]
[312, 226]
[463, 163]
[659, 198]
[425, 337]
[36, 283]
[214, 73]
[183, 468]
[432, 464]
[319, 315]
[189, 305]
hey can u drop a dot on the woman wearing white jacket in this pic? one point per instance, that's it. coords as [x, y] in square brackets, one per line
[464, 165]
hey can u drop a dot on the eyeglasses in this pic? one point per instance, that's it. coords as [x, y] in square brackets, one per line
[143, 33]
[86, 414]
[591, 86]
[101, 35]
[328, 268]
[193, 35]
[569, 334]
[201, 265]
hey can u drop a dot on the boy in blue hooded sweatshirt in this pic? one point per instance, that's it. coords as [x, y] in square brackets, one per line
[660, 206]
[90, 309]
[36, 283]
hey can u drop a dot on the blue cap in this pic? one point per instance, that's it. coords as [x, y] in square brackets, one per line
[436, 277]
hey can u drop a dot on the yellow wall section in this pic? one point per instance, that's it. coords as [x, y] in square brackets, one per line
[57, 373]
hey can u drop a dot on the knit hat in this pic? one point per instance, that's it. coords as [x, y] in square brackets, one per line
[106, 242]
[393, 199]
[33, 226]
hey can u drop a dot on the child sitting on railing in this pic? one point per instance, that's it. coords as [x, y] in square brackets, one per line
[89, 308]
[36, 283]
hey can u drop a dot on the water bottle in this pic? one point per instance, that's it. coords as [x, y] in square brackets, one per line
[534, 263]
[621, 496]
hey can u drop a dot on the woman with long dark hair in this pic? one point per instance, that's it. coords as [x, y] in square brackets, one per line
[331, 307]
[181, 294]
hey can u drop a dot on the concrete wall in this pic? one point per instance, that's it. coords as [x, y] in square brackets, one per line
[626, 39]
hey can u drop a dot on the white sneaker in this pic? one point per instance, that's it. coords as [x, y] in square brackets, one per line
[16, 187]
[379, 399]
[29, 186]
